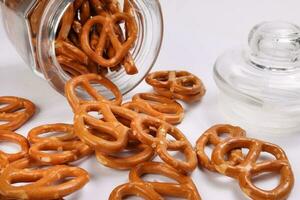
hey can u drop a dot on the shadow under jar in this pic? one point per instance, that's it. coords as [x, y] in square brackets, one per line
[32, 27]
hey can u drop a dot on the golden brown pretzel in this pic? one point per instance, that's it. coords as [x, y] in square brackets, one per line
[85, 11]
[177, 84]
[143, 190]
[66, 23]
[183, 188]
[61, 132]
[68, 49]
[43, 183]
[9, 136]
[108, 33]
[140, 153]
[10, 104]
[186, 98]
[136, 152]
[86, 81]
[108, 125]
[65, 152]
[72, 68]
[67, 145]
[140, 127]
[157, 106]
[212, 136]
[251, 167]
[17, 112]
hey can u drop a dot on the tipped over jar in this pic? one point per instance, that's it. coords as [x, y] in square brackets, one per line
[60, 39]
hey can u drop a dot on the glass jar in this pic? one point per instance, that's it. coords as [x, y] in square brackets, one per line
[35, 42]
[260, 86]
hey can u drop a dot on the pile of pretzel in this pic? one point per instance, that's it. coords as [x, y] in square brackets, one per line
[94, 36]
[138, 128]
[48, 174]
[128, 136]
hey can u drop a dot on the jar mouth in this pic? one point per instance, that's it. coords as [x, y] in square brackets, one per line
[145, 52]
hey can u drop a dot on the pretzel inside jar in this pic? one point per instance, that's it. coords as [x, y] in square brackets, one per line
[96, 37]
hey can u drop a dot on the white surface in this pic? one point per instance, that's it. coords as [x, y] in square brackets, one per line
[196, 32]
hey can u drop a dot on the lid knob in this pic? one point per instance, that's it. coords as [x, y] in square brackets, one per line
[275, 45]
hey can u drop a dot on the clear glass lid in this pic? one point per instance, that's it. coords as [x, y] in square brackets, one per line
[260, 86]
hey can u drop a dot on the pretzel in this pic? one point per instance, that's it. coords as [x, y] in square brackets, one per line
[184, 188]
[134, 189]
[72, 68]
[108, 34]
[43, 183]
[67, 49]
[109, 125]
[177, 84]
[186, 98]
[212, 136]
[66, 23]
[86, 81]
[68, 147]
[85, 12]
[63, 133]
[141, 153]
[140, 127]
[250, 167]
[16, 113]
[9, 136]
[157, 106]
[66, 152]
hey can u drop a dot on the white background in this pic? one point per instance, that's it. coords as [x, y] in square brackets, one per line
[196, 32]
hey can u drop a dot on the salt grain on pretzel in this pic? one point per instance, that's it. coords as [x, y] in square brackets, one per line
[213, 137]
[85, 82]
[9, 136]
[140, 127]
[16, 112]
[157, 106]
[250, 167]
[43, 183]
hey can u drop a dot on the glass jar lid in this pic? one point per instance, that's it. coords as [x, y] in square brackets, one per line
[260, 85]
